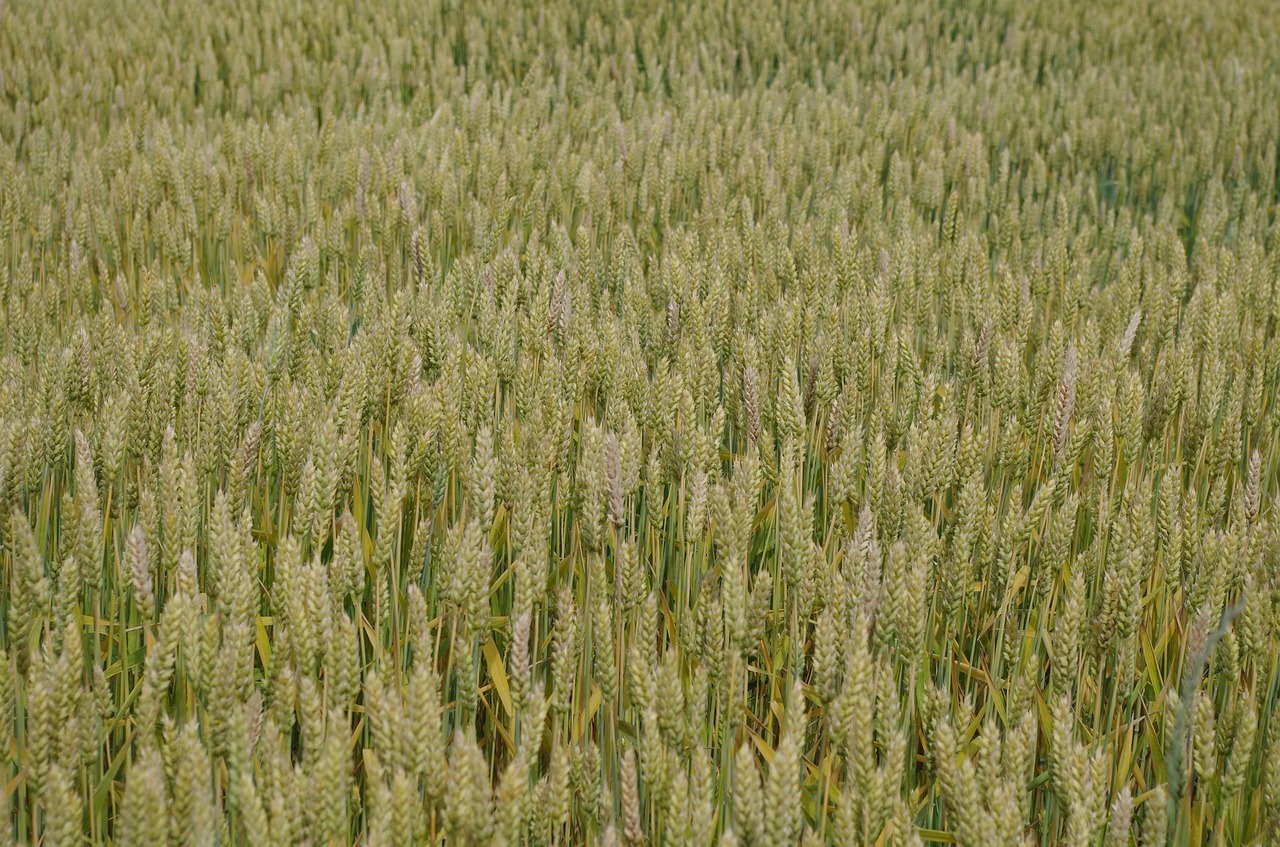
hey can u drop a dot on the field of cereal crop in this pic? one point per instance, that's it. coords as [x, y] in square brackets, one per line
[733, 422]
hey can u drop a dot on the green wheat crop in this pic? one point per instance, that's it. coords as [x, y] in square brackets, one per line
[639, 423]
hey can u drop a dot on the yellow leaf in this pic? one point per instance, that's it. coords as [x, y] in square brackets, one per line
[1124, 761]
[1153, 667]
[499, 525]
[765, 749]
[498, 671]
[264, 641]
[593, 703]
[1020, 579]
[497, 722]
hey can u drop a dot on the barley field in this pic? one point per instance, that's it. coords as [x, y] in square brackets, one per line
[642, 422]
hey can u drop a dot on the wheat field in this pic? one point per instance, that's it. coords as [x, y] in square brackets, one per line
[639, 423]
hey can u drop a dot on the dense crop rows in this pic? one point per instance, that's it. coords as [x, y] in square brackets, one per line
[639, 423]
